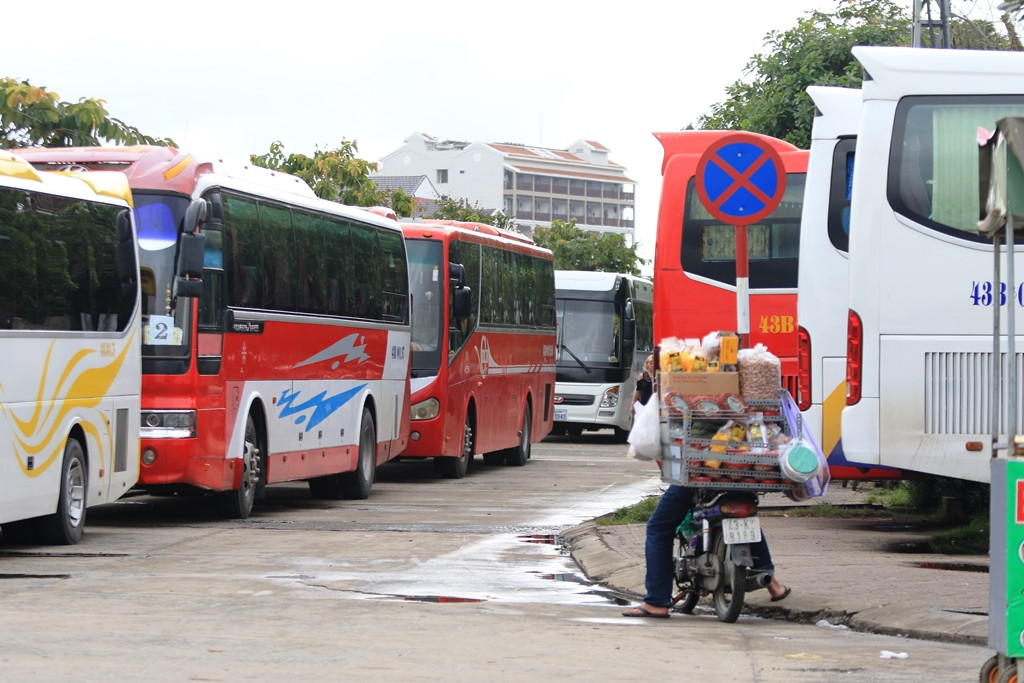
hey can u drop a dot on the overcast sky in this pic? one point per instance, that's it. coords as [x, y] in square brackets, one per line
[230, 78]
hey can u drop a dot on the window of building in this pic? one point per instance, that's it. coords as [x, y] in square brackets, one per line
[442, 176]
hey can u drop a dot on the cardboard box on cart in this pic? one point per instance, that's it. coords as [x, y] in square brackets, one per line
[699, 383]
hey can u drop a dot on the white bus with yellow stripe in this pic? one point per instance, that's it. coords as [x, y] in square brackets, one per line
[70, 372]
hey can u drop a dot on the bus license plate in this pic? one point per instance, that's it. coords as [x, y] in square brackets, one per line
[561, 414]
[741, 530]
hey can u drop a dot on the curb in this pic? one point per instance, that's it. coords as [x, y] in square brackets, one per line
[624, 575]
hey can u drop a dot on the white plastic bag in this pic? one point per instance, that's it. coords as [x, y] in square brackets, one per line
[645, 436]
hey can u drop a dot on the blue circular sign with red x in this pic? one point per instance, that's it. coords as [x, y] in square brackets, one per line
[740, 179]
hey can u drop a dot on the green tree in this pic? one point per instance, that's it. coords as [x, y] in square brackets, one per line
[578, 249]
[401, 202]
[772, 99]
[450, 209]
[32, 116]
[334, 174]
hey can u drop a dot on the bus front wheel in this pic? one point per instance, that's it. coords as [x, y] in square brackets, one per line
[238, 503]
[67, 524]
[456, 468]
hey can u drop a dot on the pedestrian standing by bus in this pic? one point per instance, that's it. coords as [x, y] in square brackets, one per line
[644, 385]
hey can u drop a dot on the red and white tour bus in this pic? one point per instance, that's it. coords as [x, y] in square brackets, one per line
[483, 344]
[293, 363]
[695, 256]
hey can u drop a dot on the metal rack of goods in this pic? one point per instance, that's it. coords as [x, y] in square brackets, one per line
[728, 442]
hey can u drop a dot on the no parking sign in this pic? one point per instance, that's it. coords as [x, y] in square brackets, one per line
[740, 180]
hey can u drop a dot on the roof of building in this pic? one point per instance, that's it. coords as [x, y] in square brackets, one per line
[516, 155]
[406, 183]
[591, 173]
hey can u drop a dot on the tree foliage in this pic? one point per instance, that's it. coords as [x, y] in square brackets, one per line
[578, 249]
[334, 174]
[772, 99]
[32, 116]
[451, 209]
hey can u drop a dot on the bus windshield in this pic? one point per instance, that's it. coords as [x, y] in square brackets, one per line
[164, 324]
[427, 280]
[588, 335]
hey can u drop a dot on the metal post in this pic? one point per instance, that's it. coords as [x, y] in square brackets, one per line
[742, 286]
[1011, 333]
[997, 361]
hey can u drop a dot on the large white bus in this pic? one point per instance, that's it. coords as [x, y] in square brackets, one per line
[69, 339]
[920, 276]
[605, 332]
[822, 300]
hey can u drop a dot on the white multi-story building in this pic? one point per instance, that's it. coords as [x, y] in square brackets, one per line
[532, 185]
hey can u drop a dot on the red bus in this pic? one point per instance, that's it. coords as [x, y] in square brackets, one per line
[483, 344]
[695, 255]
[293, 364]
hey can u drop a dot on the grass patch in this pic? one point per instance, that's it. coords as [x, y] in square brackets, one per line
[638, 513]
[970, 539]
[901, 505]
[827, 510]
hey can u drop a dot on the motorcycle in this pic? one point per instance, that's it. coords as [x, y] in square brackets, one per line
[714, 553]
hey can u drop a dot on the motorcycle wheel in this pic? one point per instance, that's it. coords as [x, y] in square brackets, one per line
[688, 596]
[728, 594]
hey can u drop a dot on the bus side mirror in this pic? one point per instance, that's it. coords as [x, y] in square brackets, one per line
[629, 324]
[457, 274]
[124, 254]
[628, 331]
[188, 281]
[461, 303]
[195, 215]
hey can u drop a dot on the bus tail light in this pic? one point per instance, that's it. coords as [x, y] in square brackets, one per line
[854, 358]
[803, 370]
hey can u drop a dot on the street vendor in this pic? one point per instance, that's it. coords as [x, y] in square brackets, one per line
[675, 504]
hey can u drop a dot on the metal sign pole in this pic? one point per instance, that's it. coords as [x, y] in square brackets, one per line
[740, 181]
[742, 286]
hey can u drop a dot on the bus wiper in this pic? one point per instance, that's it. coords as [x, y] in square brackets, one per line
[577, 359]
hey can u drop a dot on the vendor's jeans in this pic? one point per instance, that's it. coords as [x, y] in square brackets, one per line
[661, 533]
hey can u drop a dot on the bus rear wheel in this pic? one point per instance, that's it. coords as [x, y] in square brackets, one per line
[67, 524]
[357, 485]
[238, 503]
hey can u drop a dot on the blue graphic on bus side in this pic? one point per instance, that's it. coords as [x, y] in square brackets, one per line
[321, 407]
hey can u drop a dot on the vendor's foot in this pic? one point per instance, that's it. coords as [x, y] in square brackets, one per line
[777, 590]
[648, 611]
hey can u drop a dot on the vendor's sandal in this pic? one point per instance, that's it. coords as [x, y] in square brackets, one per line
[783, 595]
[641, 611]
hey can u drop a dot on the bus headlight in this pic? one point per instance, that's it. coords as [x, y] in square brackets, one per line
[168, 424]
[610, 398]
[425, 410]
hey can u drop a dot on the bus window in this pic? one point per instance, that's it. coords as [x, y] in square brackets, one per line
[933, 163]
[709, 247]
[840, 193]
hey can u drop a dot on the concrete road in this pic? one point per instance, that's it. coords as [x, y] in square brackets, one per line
[428, 579]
